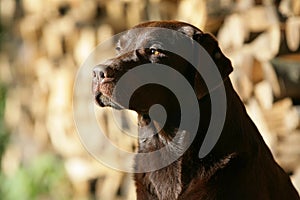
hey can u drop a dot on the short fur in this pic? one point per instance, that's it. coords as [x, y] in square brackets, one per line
[240, 166]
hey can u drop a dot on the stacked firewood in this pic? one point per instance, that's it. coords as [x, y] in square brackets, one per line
[49, 40]
[47, 43]
[255, 38]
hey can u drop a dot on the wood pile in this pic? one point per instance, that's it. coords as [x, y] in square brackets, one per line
[46, 44]
[47, 41]
[254, 38]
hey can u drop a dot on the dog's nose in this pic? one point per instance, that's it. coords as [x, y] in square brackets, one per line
[99, 72]
[103, 74]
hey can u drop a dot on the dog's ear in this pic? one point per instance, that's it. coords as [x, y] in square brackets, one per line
[210, 44]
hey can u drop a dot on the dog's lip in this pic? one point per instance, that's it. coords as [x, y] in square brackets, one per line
[106, 80]
[97, 98]
[110, 102]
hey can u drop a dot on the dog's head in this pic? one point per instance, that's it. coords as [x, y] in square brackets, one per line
[146, 43]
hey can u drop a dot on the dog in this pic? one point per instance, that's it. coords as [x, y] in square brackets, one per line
[239, 166]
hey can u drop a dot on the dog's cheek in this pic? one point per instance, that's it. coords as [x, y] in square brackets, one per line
[141, 54]
[160, 58]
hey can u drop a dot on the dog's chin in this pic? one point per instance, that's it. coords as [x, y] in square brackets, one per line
[104, 101]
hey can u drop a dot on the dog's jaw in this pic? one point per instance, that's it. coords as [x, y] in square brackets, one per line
[105, 101]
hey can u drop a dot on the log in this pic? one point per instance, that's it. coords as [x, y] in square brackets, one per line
[134, 12]
[85, 44]
[193, 11]
[266, 45]
[271, 77]
[257, 115]
[52, 41]
[5, 69]
[60, 124]
[293, 33]
[257, 72]
[265, 15]
[290, 145]
[29, 27]
[84, 12]
[296, 7]
[263, 94]
[7, 11]
[241, 77]
[33, 6]
[283, 117]
[119, 126]
[104, 32]
[233, 32]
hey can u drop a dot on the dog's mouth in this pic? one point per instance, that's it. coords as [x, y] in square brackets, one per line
[105, 101]
[107, 80]
[100, 99]
[103, 89]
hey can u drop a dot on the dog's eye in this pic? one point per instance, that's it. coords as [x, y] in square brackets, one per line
[154, 51]
[118, 48]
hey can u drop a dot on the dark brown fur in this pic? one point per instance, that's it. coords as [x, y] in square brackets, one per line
[240, 166]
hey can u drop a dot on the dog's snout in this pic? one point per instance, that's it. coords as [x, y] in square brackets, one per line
[99, 72]
[103, 74]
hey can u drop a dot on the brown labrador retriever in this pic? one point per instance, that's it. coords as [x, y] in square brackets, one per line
[239, 166]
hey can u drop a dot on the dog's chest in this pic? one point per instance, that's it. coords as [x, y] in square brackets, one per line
[164, 183]
[167, 181]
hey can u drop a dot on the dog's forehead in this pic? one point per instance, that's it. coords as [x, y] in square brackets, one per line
[144, 37]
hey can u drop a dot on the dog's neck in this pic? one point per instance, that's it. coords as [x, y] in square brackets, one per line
[155, 137]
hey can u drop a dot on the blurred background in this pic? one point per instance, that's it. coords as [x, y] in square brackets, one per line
[43, 44]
